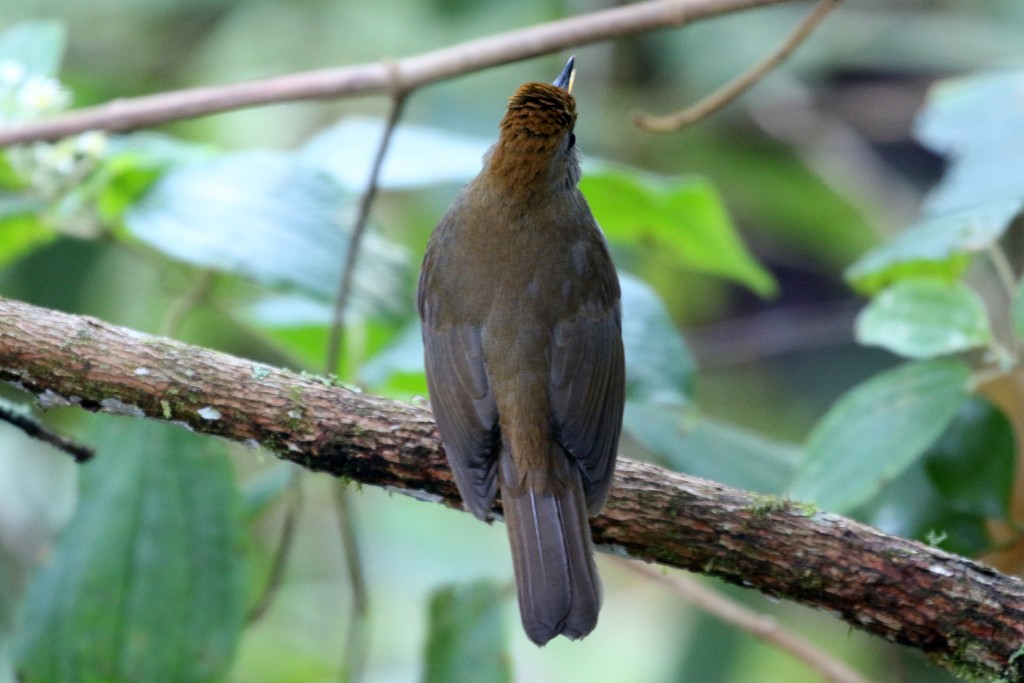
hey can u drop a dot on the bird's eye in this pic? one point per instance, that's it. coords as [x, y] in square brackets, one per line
[572, 140]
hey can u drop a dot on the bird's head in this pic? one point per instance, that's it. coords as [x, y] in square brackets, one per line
[537, 140]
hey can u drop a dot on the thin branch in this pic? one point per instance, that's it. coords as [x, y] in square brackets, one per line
[377, 78]
[20, 418]
[966, 616]
[284, 546]
[739, 85]
[336, 339]
[356, 642]
[185, 303]
[761, 626]
[357, 639]
[1004, 271]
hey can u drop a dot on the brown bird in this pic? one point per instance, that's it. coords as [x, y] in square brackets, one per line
[523, 348]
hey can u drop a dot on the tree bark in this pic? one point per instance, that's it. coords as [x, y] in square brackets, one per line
[967, 617]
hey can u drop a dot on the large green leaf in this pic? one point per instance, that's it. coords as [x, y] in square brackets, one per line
[147, 583]
[962, 483]
[682, 439]
[875, 431]
[976, 121]
[466, 639]
[925, 318]
[418, 156]
[376, 353]
[21, 234]
[38, 46]
[267, 217]
[938, 247]
[398, 369]
[972, 464]
[133, 163]
[659, 365]
[267, 488]
[775, 193]
[683, 216]
[660, 415]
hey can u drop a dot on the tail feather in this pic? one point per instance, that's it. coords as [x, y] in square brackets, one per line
[552, 554]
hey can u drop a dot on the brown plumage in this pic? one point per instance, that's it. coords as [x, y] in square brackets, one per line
[523, 349]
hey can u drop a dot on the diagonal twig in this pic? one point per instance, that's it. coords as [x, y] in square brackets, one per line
[761, 626]
[356, 642]
[740, 84]
[345, 281]
[23, 420]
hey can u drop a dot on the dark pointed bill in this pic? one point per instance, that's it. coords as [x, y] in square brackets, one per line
[568, 75]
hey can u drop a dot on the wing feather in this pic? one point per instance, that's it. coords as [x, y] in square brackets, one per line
[588, 393]
[465, 411]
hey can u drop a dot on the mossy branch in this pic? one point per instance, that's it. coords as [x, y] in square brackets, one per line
[967, 617]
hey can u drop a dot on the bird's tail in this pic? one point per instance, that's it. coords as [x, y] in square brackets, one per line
[552, 553]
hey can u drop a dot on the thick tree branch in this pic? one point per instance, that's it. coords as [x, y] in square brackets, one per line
[968, 617]
[399, 76]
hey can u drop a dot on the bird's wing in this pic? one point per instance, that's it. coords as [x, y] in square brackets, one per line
[465, 411]
[588, 380]
[461, 398]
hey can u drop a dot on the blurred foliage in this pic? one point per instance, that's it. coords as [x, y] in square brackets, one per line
[147, 582]
[229, 231]
[877, 430]
[467, 636]
[925, 318]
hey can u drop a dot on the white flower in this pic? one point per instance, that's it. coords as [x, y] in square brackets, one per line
[92, 145]
[39, 94]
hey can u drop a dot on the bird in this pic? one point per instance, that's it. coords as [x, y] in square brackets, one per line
[522, 332]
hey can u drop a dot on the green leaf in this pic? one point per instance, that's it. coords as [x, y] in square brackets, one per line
[972, 465]
[925, 318]
[938, 247]
[133, 163]
[685, 441]
[300, 326]
[772, 188]
[266, 488]
[466, 639]
[418, 156]
[21, 234]
[147, 581]
[11, 179]
[660, 367]
[38, 46]
[875, 431]
[962, 483]
[979, 112]
[399, 365]
[683, 216]
[264, 216]
[976, 121]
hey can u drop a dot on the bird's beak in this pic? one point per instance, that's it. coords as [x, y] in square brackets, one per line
[567, 77]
